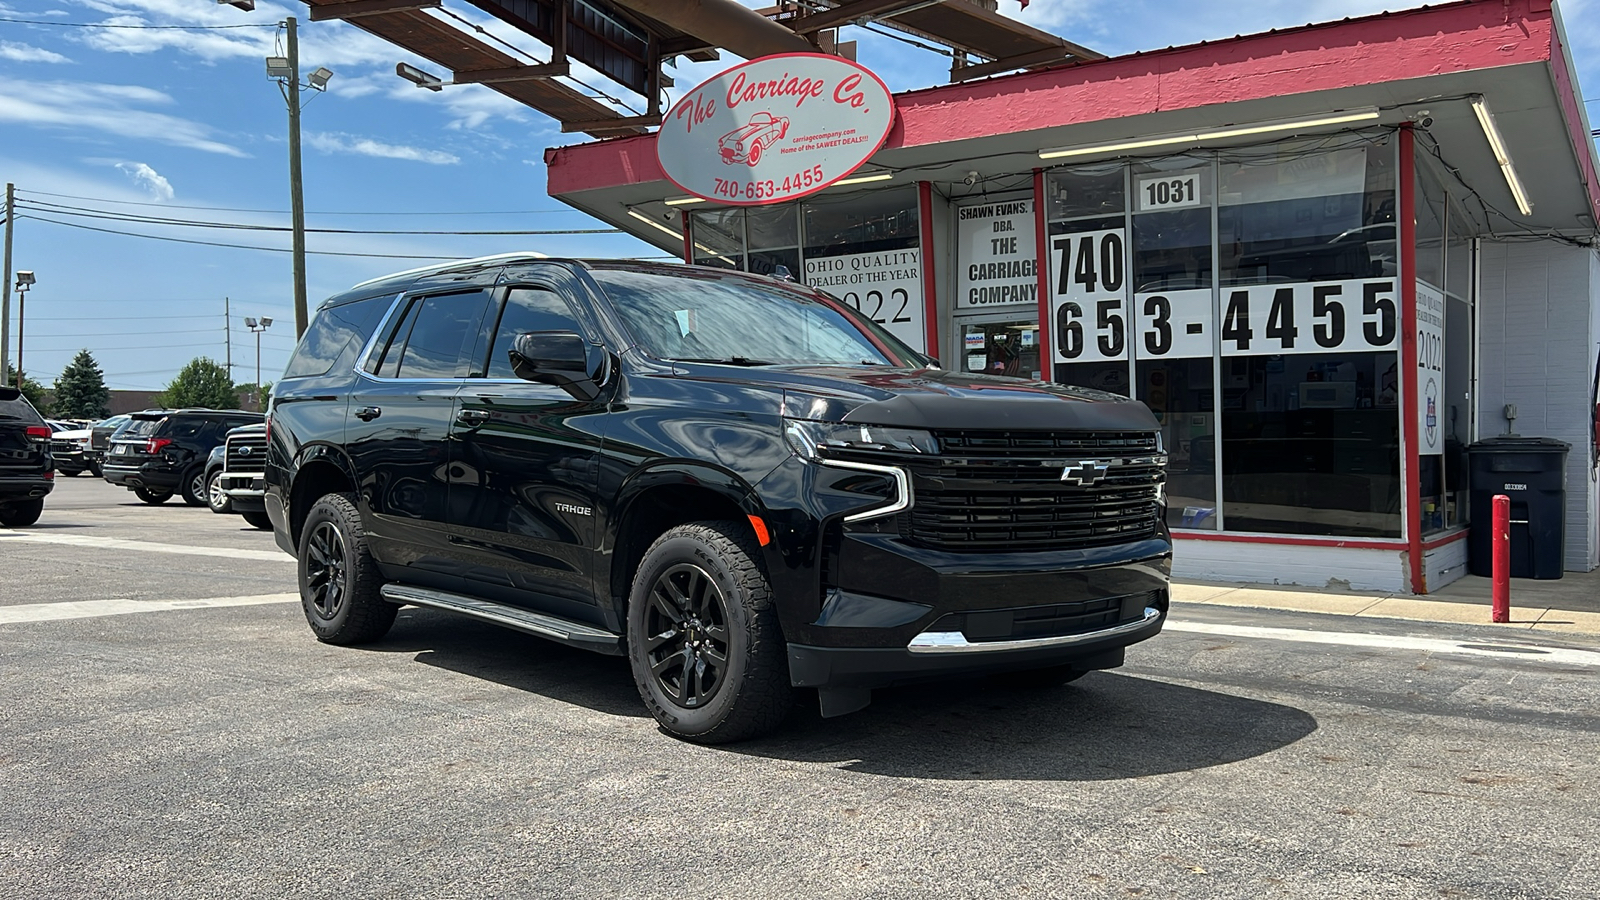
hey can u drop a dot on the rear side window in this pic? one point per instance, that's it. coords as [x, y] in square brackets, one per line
[182, 428]
[527, 309]
[14, 407]
[140, 428]
[337, 334]
[434, 337]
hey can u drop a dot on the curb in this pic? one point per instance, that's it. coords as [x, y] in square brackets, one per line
[1534, 619]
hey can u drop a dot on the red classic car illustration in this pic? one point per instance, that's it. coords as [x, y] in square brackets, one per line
[746, 143]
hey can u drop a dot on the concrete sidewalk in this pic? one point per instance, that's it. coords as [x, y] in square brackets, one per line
[1567, 605]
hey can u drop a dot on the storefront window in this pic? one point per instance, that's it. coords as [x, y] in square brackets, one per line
[1172, 306]
[773, 236]
[718, 238]
[1309, 328]
[1087, 277]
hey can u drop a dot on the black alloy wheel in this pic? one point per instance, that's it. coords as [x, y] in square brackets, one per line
[340, 587]
[326, 576]
[704, 642]
[687, 628]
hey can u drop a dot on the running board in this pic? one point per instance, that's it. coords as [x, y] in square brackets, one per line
[565, 631]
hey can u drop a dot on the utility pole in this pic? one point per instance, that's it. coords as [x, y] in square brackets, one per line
[297, 205]
[227, 335]
[5, 297]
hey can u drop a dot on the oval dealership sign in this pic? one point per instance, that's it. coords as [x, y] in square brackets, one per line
[774, 129]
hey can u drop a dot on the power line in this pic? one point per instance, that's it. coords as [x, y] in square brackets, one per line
[284, 212]
[156, 237]
[112, 215]
[146, 27]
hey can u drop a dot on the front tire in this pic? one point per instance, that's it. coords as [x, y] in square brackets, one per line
[703, 638]
[194, 487]
[23, 514]
[154, 498]
[339, 581]
[258, 519]
[219, 502]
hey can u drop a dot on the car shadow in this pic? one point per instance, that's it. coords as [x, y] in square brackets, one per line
[519, 661]
[44, 525]
[1105, 726]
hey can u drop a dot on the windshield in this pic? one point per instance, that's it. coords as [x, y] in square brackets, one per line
[704, 317]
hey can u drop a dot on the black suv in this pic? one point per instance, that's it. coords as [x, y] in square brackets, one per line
[26, 469]
[739, 483]
[162, 452]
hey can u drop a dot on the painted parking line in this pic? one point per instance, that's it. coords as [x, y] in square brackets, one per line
[1498, 649]
[88, 609]
[109, 543]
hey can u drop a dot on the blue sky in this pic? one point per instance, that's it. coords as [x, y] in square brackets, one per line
[161, 120]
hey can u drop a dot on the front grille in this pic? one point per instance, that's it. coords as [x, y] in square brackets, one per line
[1060, 619]
[998, 491]
[63, 447]
[246, 453]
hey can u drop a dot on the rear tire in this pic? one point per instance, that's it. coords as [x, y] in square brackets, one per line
[707, 654]
[94, 469]
[154, 498]
[219, 502]
[258, 519]
[23, 514]
[194, 487]
[339, 581]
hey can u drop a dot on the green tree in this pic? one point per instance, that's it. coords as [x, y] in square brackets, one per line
[248, 393]
[203, 383]
[81, 390]
[31, 389]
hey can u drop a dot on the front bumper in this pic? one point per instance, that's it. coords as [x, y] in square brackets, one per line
[934, 655]
[246, 490]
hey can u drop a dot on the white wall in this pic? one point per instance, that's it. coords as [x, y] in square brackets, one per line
[1537, 343]
[1339, 568]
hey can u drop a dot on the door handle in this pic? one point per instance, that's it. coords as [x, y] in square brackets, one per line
[368, 413]
[472, 417]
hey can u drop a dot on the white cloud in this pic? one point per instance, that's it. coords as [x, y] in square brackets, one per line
[149, 179]
[331, 142]
[17, 52]
[108, 108]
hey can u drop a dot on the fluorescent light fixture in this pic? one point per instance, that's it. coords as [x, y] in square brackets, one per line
[278, 67]
[1360, 115]
[654, 224]
[418, 77]
[683, 201]
[863, 179]
[1501, 155]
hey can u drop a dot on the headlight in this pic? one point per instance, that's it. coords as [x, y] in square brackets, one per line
[813, 440]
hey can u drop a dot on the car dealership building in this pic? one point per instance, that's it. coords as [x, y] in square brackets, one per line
[1328, 258]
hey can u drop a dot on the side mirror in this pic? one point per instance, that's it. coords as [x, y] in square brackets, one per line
[561, 358]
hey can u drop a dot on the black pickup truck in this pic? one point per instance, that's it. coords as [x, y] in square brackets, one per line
[739, 483]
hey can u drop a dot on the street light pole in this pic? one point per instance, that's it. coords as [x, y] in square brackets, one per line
[297, 205]
[256, 327]
[25, 280]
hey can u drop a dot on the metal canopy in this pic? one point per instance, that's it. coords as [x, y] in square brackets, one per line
[628, 41]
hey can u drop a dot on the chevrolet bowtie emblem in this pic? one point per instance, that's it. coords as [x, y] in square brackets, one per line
[1085, 472]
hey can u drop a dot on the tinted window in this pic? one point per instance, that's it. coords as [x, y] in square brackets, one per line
[182, 428]
[15, 406]
[443, 328]
[527, 309]
[386, 362]
[337, 331]
[140, 428]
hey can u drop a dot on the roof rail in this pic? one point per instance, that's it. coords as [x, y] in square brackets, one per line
[439, 267]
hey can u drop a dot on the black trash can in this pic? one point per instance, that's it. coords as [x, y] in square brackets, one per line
[1532, 471]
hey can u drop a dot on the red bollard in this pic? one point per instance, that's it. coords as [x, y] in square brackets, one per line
[1500, 542]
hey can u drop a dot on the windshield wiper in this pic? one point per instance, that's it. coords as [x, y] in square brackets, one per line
[726, 360]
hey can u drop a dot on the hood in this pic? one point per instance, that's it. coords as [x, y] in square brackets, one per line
[940, 399]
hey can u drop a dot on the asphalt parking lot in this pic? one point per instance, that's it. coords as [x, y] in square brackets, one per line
[195, 741]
